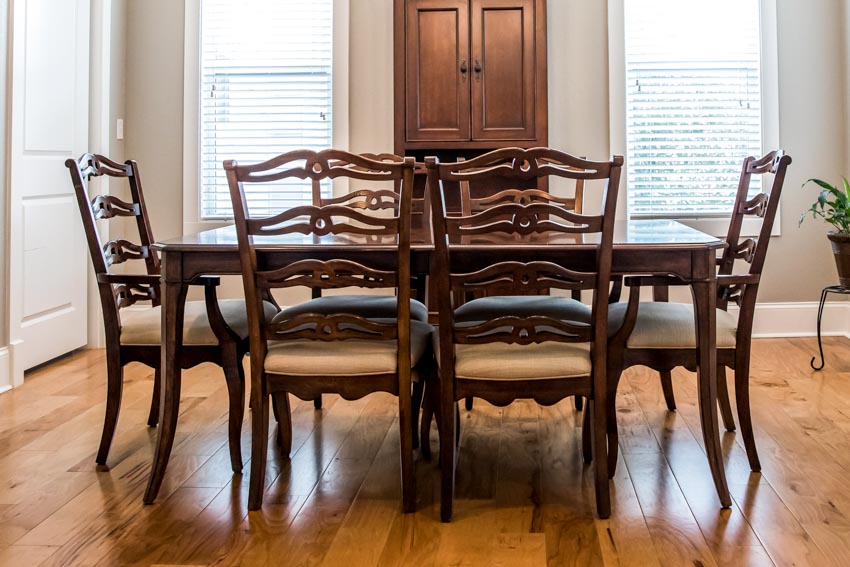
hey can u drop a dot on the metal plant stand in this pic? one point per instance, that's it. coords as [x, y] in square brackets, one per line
[827, 290]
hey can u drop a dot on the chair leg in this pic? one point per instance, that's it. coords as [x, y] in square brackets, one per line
[586, 438]
[259, 449]
[468, 403]
[579, 403]
[280, 406]
[153, 416]
[742, 400]
[317, 402]
[234, 375]
[448, 417]
[114, 390]
[600, 466]
[667, 388]
[405, 433]
[723, 399]
[165, 440]
[418, 391]
[430, 408]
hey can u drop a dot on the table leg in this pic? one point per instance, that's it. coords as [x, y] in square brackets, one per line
[173, 304]
[705, 304]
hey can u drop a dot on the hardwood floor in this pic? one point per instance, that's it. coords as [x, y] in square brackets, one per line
[524, 497]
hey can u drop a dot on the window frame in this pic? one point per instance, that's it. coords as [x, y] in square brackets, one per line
[769, 98]
[192, 221]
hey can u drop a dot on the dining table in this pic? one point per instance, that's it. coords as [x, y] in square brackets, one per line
[641, 247]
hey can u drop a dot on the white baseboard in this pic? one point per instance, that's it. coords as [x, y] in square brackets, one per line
[799, 319]
[5, 370]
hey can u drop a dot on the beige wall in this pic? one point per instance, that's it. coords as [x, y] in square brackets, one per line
[813, 128]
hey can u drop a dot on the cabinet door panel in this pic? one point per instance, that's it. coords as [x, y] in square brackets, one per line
[437, 70]
[503, 69]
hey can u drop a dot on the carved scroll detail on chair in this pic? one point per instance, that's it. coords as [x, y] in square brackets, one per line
[108, 206]
[745, 250]
[119, 251]
[327, 164]
[756, 206]
[523, 331]
[327, 275]
[518, 278]
[128, 294]
[369, 200]
[322, 221]
[523, 220]
[334, 327]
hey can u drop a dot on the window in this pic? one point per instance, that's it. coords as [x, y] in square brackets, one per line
[266, 87]
[698, 96]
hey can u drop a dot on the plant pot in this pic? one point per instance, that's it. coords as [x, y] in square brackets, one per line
[841, 249]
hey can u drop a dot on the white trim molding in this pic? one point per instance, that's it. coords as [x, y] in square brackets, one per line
[5, 370]
[799, 319]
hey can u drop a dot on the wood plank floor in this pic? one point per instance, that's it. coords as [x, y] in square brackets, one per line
[524, 497]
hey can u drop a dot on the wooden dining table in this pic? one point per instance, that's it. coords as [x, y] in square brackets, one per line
[646, 247]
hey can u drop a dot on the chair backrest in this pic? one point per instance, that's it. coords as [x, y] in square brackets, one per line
[116, 292]
[471, 204]
[351, 217]
[765, 205]
[518, 224]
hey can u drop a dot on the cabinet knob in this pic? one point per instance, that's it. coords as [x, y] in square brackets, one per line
[463, 66]
[477, 67]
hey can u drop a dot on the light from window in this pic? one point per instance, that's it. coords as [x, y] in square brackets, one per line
[693, 104]
[266, 85]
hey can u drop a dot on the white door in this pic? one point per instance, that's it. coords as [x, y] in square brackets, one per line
[49, 75]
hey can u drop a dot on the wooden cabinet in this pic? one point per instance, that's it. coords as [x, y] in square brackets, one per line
[469, 75]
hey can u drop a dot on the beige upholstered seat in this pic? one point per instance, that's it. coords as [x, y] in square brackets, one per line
[369, 306]
[491, 307]
[502, 361]
[665, 325]
[144, 327]
[344, 358]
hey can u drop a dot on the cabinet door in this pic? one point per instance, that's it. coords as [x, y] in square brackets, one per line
[503, 69]
[437, 70]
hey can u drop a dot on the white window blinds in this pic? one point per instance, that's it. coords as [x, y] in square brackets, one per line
[266, 86]
[693, 103]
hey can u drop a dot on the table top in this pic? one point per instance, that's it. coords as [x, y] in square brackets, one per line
[637, 234]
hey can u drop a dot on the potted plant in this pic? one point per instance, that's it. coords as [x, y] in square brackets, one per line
[833, 206]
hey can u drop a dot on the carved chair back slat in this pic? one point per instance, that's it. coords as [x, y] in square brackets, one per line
[381, 214]
[752, 251]
[104, 255]
[518, 217]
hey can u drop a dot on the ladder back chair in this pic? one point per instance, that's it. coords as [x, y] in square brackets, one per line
[371, 305]
[213, 331]
[662, 335]
[306, 352]
[528, 346]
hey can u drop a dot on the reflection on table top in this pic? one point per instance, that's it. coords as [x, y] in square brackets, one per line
[627, 234]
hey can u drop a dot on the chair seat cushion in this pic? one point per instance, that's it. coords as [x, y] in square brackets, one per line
[369, 306]
[143, 327]
[541, 361]
[665, 325]
[557, 307]
[304, 357]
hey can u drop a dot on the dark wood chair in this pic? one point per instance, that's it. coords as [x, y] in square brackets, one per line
[307, 353]
[370, 305]
[662, 335]
[214, 331]
[511, 343]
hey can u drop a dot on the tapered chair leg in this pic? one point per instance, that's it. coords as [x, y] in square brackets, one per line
[405, 433]
[418, 391]
[667, 389]
[259, 449]
[234, 375]
[153, 416]
[317, 402]
[579, 403]
[723, 399]
[600, 460]
[448, 424]
[586, 438]
[468, 403]
[742, 400]
[280, 405]
[114, 391]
